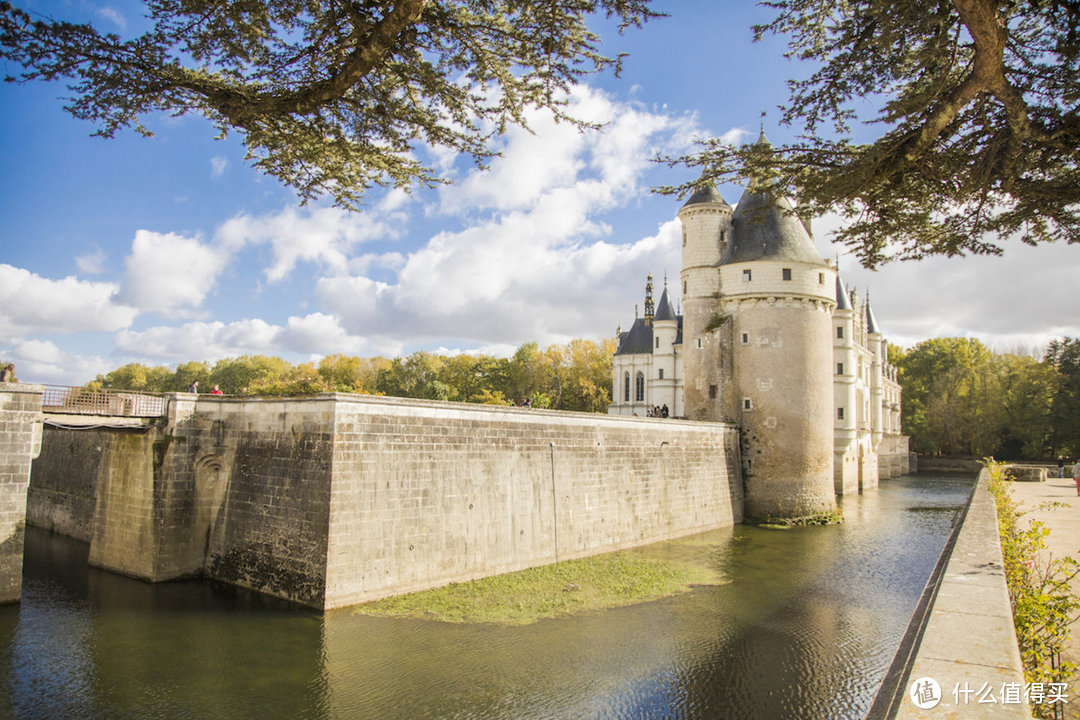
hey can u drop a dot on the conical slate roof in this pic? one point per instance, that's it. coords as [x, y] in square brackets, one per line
[706, 192]
[871, 321]
[663, 309]
[843, 302]
[766, 228]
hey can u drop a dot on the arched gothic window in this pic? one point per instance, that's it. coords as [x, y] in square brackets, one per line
[639, 388]
[626, 387]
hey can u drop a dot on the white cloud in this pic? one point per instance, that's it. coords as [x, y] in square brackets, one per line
[316, 334]
[323, 236]
[92, 263]
[543, 266]
[114, 16]
[42, 361]
[200, 340]
[169, 273]
[31, 303]
[217, 166]
[1023, 298]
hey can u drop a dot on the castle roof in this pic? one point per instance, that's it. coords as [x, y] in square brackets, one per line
[706, 192]
[871, 321]
[765, 227]
[638, 340]
[663, 309]
[843, 302]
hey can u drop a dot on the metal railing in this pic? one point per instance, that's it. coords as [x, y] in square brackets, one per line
[87, 401]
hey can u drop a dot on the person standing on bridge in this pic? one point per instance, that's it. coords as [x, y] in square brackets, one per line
[193, 387]
[8, 373]
[216, 391]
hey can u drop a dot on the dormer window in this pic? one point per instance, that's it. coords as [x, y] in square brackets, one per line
[786, 273]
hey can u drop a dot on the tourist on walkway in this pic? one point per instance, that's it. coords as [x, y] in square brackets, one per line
[1061, 467]
[216, 391]
[1076, 476]
[193, 387]
[8, 373]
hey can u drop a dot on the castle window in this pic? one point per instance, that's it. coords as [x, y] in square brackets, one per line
[712, 392]
[821, 278]
[786, 273]
[683, 287]
[747, 404]
[661, 373]
[746, 338]
[699, 342]
[839, 413]
[626, 387]
[639, 388]
[746, 275]
[657, 343]
[839, 368]
[684, 237]
[839, 332]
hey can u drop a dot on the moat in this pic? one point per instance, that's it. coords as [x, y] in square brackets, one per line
[806, 626]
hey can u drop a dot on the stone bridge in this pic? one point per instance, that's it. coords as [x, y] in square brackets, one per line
[336, 499]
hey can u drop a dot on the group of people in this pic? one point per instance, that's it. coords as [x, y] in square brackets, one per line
[658, 411]
[1075, 472]
[194, 388]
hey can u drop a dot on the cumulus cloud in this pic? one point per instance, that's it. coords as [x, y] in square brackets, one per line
[92, 263]
[323, 236]
[32, 303]
[43, 361]
[169, 273]
[1023, 298]
[315, 334]
[542, 265]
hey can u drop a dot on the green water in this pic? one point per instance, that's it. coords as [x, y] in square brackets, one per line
[805, 628]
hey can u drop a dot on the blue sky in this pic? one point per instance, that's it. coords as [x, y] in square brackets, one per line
[172, 249]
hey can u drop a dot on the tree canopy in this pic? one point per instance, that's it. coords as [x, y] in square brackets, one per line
[978, 104]
[330, 97]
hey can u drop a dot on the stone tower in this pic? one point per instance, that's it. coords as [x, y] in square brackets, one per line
[706, 223]
[779, 295]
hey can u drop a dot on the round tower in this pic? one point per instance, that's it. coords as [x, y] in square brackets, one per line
[779, 295]
[706, 226]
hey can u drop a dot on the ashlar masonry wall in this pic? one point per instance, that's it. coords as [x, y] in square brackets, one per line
[429, 493]
[20, 442]
[333, 500]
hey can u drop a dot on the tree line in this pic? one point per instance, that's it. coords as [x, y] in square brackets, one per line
[959, 397]
[575, 376]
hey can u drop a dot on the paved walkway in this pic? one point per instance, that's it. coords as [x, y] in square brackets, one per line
[1063, 540]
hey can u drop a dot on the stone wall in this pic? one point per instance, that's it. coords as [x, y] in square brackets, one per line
[337, 499]
[429, 493]
[64, 480]
[20, 442]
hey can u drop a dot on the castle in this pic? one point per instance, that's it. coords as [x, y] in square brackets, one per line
[769, 339]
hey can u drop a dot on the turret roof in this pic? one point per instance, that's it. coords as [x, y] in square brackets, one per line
[766, 228]
[843, 302]
[663, 309]
[706, 192]
[871, 321]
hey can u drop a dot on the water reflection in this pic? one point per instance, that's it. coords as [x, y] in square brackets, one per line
[805, 627]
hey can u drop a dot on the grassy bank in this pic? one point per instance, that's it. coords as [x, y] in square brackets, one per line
[519, 598]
